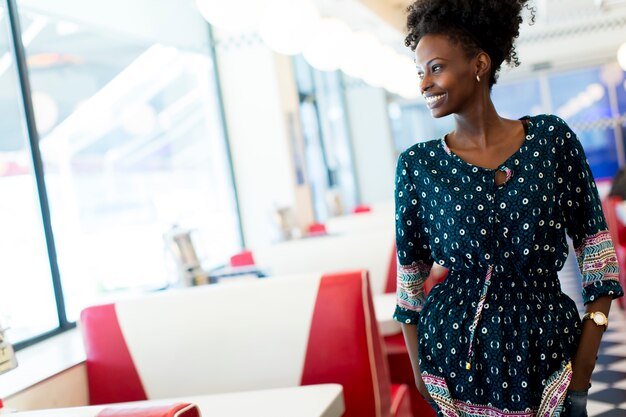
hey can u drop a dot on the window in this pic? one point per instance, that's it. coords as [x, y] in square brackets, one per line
[327, 148]
[131, 143]
[25, 277]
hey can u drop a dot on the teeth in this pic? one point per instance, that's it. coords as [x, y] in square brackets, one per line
[432, 99]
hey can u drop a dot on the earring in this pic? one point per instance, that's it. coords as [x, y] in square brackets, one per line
[477, 77]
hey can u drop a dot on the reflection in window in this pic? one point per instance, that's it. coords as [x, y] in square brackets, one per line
[132, 144]
[329, 164]
[333, 119]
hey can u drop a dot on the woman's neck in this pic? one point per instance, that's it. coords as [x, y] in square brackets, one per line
[478, 125]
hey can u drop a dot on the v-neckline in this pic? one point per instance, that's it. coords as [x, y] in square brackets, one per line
[504, 165]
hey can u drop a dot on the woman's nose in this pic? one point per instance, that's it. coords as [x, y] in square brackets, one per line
[425, 84]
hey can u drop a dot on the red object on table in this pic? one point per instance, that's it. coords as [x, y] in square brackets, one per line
[362, 209]
[317, 229]
[171, 410]
[243, 258]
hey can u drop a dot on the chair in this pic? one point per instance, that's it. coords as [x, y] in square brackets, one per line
[243, 258]
[317, 229]
[263, 334]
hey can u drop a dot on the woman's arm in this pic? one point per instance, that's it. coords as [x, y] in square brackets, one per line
[585, 359]
[410, 338]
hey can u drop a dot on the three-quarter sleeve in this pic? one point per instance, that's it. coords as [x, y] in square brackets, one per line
[585, 222]
[412, 245]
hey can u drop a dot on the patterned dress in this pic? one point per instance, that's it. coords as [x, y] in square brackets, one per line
[496, 337]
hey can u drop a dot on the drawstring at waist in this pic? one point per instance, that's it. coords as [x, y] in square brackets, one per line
[479, 309]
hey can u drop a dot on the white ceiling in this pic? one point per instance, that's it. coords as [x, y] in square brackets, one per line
[567, 33]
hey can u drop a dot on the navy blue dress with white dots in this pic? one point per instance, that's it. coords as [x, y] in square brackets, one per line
[497, 336]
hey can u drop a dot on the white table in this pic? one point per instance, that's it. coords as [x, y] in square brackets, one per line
[324, 400]
[361, 222]
[384, 307]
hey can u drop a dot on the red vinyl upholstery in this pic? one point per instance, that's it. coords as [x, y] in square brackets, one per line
[390, 286]
[617, 229]
[111, 373]
[341, 343]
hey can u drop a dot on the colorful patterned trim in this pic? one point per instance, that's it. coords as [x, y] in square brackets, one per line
[438, 390]
[554, 393]
[479, 310]
[508, 173]
[471, 410]
[596, 259]
[551, 400]
[445, 146]
[410, 288]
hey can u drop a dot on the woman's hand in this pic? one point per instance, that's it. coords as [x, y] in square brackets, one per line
[584, 360]
[581, 375]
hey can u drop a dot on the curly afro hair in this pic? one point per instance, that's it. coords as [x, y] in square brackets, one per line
[488, 25]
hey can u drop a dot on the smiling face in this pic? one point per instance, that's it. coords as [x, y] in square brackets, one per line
[448, 76]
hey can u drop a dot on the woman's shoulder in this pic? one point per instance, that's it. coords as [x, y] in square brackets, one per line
[550, 122]
[420, 150]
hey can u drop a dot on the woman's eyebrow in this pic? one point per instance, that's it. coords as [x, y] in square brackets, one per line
[428, 63]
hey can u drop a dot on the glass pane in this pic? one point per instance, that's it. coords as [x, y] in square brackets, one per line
[132, 144]
[335, 135]
[25, 279]
[413, 122]
[527, 99]
[582, 98]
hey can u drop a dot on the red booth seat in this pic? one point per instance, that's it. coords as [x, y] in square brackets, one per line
[262, 334]
[617, 229]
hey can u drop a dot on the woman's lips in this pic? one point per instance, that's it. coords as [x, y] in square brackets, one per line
[435, 100]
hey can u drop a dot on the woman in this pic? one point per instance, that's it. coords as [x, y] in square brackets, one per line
[492, 202]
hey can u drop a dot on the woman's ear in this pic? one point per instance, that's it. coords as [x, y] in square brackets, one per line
[483, 65]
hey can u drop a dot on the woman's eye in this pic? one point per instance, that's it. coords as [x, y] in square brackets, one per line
[420, 75]
[436, 68]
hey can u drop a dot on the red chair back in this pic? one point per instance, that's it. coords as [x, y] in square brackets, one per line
[317, 229]
[243, 258]
[392, 272]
